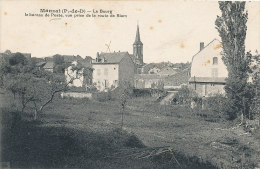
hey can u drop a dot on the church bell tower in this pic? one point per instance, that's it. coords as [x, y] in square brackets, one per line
[138, 49]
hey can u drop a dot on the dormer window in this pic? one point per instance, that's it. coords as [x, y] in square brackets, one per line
[215, 60]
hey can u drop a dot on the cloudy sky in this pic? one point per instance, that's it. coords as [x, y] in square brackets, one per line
[170, 30]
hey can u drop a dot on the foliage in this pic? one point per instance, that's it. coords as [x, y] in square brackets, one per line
[30, 84]
[255, 107]
[231, 26]
[184, 96]
[17, 58]
[59, 64]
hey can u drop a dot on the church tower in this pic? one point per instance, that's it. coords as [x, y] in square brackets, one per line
[138, 49]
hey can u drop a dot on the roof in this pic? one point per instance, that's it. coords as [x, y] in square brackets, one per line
[207, 79]
[167, 70]
[148, 76]
[132, 56]
[204, 48]
[40, 64]
[179, 78]
[49, 65]
[137, 38]
[109, 58]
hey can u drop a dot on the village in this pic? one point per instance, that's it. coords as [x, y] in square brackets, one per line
[118, 109]
[205, 74]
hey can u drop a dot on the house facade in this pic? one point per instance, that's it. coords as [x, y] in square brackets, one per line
[80, 73]
[110, 69]
[76, 76]
[208, 71]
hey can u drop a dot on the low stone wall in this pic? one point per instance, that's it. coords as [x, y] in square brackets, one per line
[76, 95]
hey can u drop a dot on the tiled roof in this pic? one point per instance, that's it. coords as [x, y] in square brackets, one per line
[48, 65]
[208, 79]
[114, 57]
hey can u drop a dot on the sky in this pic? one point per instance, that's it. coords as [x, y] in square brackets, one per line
[170, 30]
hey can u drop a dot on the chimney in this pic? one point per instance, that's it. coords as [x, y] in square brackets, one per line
[201, 45]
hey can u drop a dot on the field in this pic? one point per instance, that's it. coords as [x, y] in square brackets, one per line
[87, 134]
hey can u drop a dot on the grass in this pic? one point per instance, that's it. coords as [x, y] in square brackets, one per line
[76, 133]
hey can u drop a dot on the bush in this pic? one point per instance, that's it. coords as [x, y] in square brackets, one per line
[216, 103]
[184, 96]
[213, 107]
[77, 89]
[103, 96]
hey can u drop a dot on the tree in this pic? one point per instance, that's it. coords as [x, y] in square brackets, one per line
[255, 107]
[231, 26]
[59, 64]
[33, 86]
[124, 91]
[17, 58]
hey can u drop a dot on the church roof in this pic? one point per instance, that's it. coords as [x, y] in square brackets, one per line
[137, 38]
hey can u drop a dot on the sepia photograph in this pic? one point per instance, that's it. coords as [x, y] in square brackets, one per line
[127, 84]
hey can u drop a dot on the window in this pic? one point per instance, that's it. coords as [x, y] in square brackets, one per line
[215, 60]
[214, 72]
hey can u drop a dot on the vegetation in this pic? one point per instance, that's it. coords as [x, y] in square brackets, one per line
[29, 84]
[231, 26]
[255, 107]
[185, 96]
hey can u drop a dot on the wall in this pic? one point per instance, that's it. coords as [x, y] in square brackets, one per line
[208, 89]
[105, 75]
[76, 95]
[202, 63]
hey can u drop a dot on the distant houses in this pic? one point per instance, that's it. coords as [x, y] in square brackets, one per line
[208, 72]
[148, 81]
[110, 69]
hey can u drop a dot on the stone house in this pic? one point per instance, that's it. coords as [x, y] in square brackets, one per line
[110, 69]
[208, 71]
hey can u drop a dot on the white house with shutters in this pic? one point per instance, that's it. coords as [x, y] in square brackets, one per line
[208, 71]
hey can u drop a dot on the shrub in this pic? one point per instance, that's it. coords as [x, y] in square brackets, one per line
[103, 96]
[216, 103]
[77, 89]
[184, 96]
